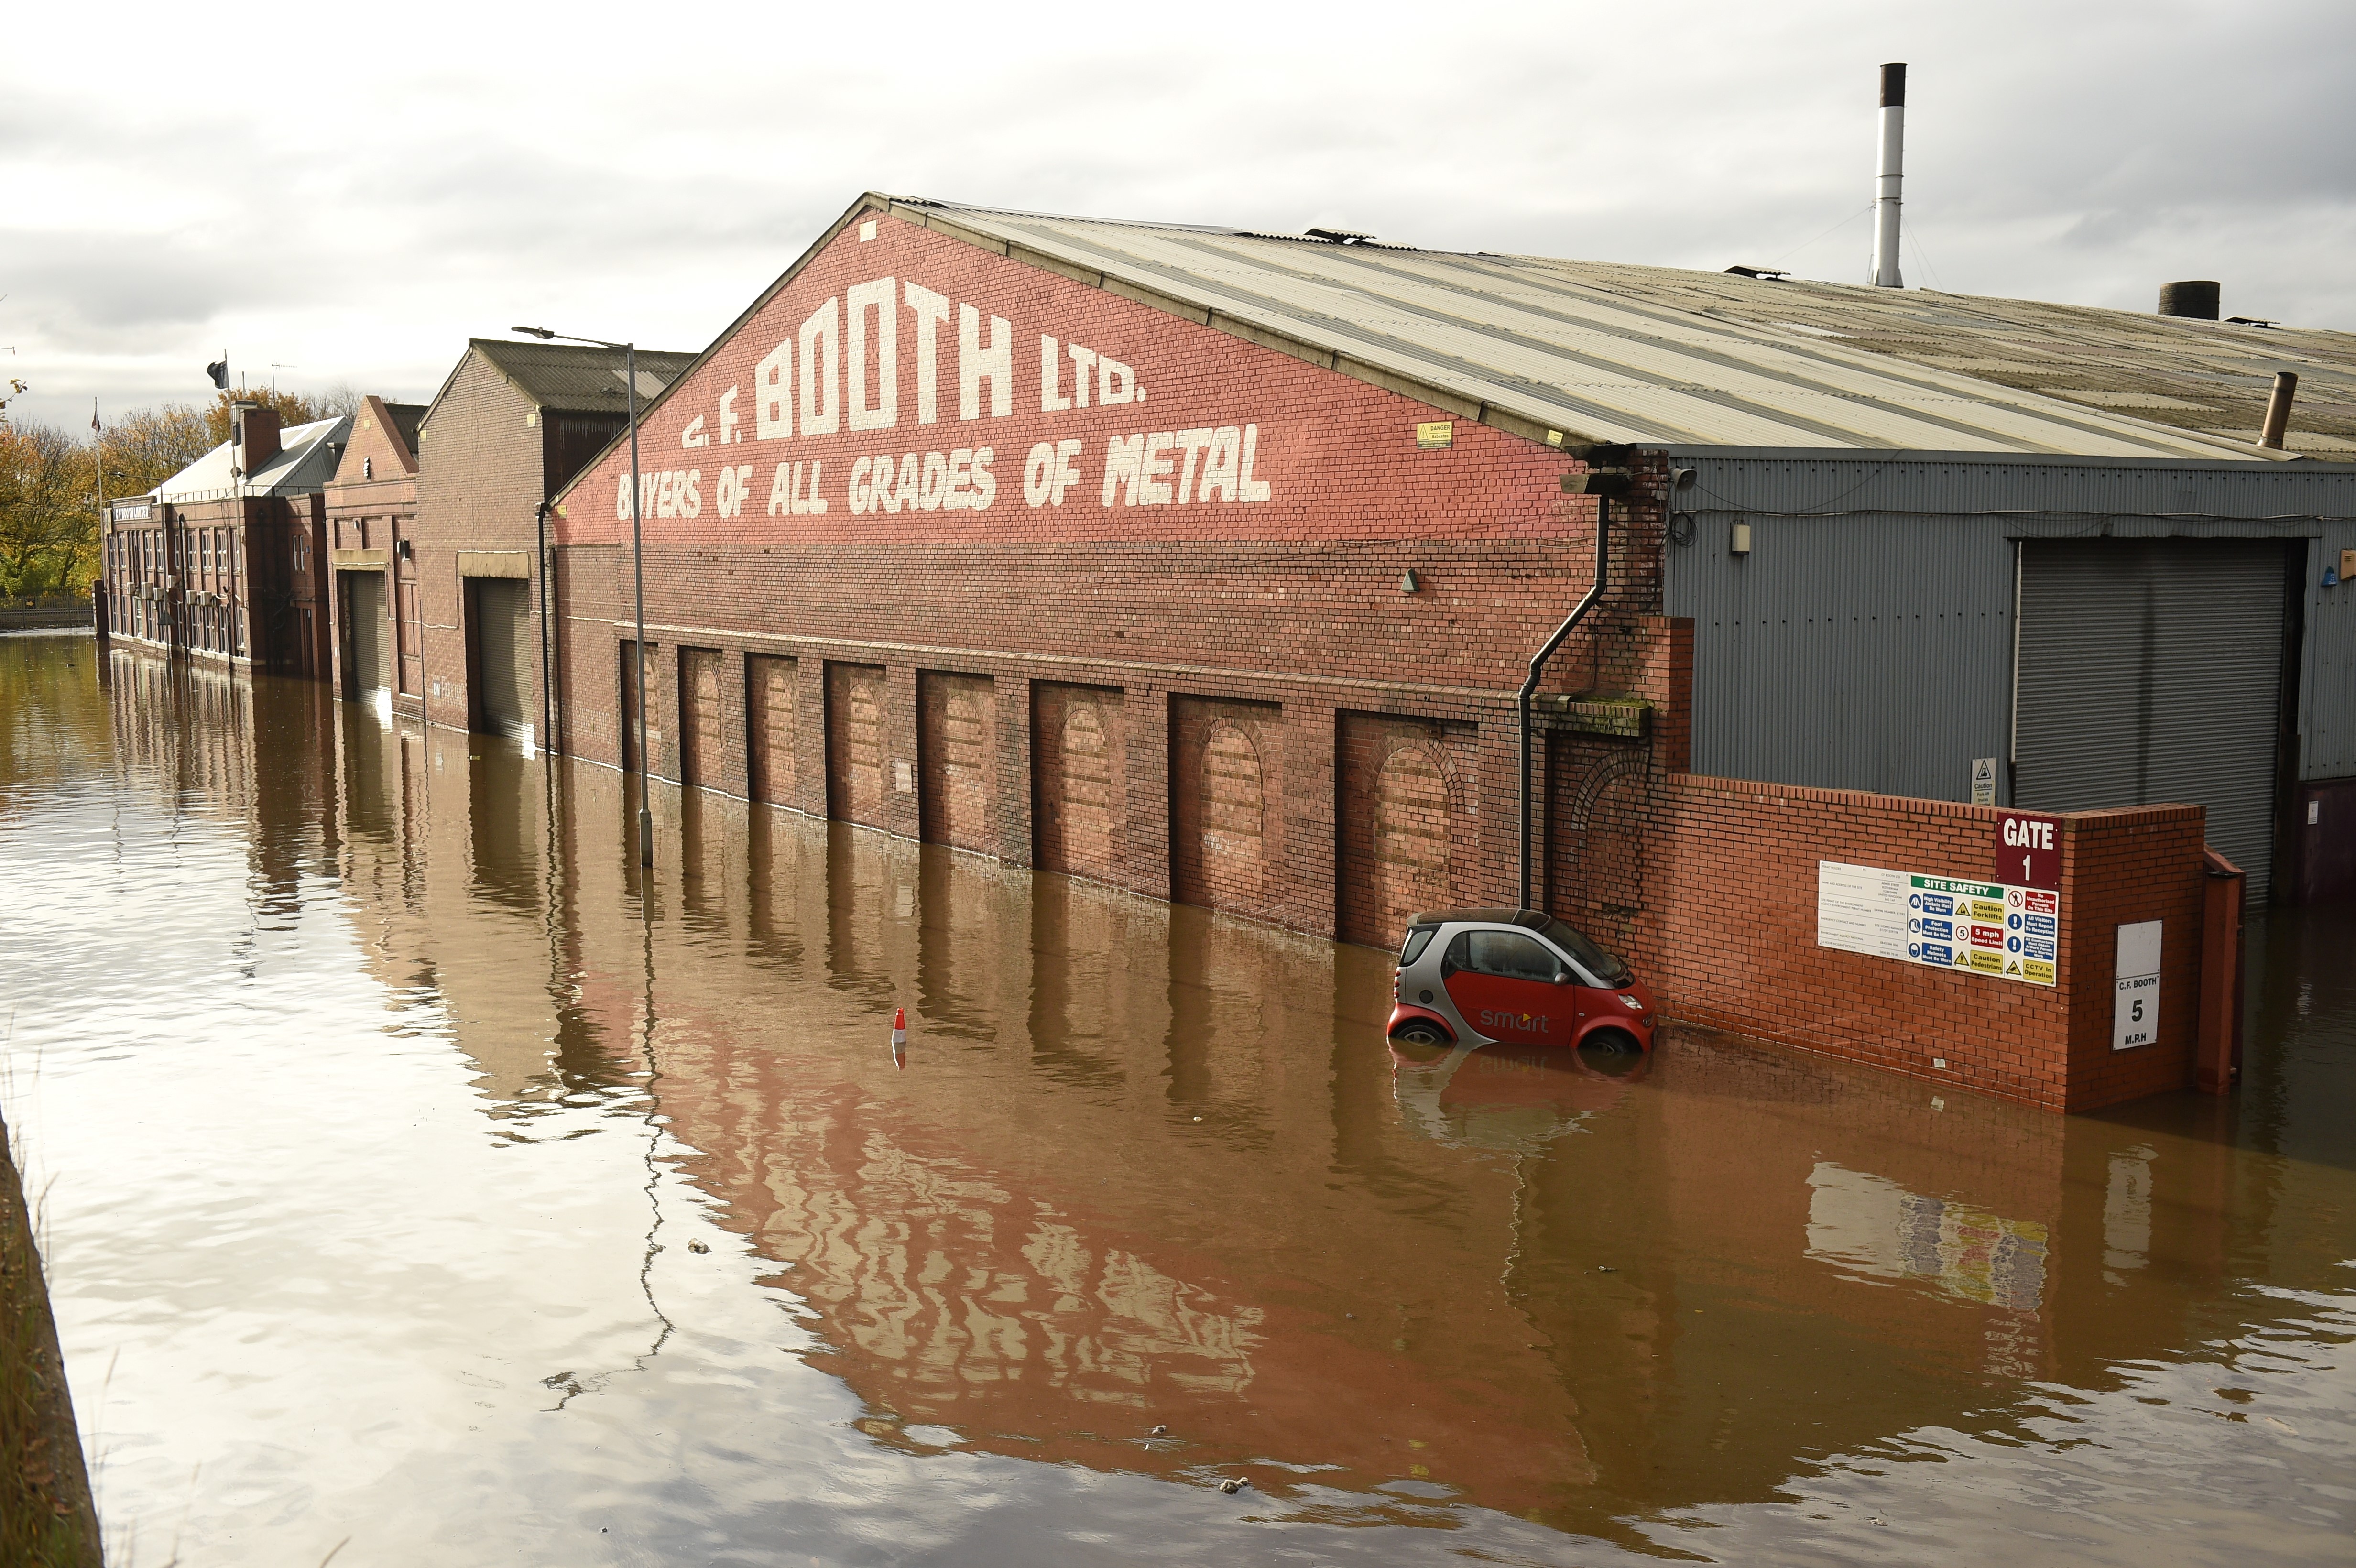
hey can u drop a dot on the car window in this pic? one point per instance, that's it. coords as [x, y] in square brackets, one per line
[1510, 953]
[1597, 959]
[1417, 939]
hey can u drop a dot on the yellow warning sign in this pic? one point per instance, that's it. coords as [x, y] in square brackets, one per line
[1987, 963]
[1435, 433]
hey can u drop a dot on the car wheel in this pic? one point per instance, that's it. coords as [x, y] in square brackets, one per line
[1421, 1031]
[1612, 1042]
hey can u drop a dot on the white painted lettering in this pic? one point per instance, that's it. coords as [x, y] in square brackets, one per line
[956, 496]
[815, 505]
[694, 435]
[985, 486]
[1249, 488]
[1191, 442]
[931, 310]
[773, 394]
[621, 498]
[1124, 456]
[729, 420]
[1116, 382]
[879, 297]
[977, 364]
[860, 505]
[1067, 468]
[1152, 491]
[1039, 471]
[822, 370]
[933, 482]
[781, 494]
[905, 494]
[1084, 361]
[1050, 400]
[1220, 462]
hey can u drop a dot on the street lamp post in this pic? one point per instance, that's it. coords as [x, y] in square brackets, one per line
[638, 568]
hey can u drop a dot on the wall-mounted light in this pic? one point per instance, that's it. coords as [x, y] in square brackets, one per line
[1408, 584]
[403, 549]
[1739, 538]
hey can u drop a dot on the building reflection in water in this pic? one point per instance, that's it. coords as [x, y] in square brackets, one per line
[1150, 1167]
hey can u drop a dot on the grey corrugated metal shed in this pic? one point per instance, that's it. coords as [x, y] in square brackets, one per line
[1654, 353]
[572, 378]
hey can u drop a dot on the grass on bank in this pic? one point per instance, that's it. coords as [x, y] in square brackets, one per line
[46, 1517]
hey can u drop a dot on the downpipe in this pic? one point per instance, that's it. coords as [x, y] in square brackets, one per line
[1603, 484]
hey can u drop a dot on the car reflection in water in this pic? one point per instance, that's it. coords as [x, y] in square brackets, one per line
[1511, 1099]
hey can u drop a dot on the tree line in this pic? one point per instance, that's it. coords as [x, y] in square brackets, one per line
[49, 477]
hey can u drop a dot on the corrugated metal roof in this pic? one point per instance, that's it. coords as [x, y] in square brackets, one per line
[1610, 352]
[307, 454]
[572, 378]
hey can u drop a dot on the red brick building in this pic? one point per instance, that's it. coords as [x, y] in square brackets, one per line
[226, 560]
[1207, 564]
[512, 424]
[372, 509]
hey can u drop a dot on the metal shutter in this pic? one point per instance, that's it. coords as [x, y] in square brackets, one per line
[365, 599]
[2150, 670]
[501, 640]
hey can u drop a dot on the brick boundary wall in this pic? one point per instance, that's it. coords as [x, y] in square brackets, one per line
[1729, 938]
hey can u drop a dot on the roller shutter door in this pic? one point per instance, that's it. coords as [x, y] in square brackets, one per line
[365, 601]
[502, 638]
[2150, 670]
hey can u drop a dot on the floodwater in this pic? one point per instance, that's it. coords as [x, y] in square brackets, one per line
[421, 1186]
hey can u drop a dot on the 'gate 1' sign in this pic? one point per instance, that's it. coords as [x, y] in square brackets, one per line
[2031, 855]
[2135, 1011]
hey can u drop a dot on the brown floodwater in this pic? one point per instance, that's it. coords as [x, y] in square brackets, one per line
[417, 1180]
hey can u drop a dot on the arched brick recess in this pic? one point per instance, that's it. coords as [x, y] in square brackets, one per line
[957, 753]
[855, 743]
[1079, 778]
[1407, 822]
[1227, 804]
[1600, 835]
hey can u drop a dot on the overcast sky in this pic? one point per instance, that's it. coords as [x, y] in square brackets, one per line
[352, 191]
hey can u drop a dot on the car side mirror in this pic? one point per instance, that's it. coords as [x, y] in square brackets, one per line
[1564, 977]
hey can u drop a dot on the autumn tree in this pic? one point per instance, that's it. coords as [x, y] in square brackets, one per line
[50, 480]
[48, 513]
[144, 449]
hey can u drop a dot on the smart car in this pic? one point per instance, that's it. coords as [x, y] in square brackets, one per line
[1515, 977]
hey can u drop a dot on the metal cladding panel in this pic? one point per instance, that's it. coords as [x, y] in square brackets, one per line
[1643, 354]
[2150, 672]
[1866, 642]
[1848, 653]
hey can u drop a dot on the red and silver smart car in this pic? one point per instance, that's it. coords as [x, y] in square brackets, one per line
[1515, 977]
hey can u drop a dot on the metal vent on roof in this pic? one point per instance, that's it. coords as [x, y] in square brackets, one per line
[1338, 236]
[1772, 274]
[2252, 321]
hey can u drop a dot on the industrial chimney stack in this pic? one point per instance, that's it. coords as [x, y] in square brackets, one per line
[1893, 171]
